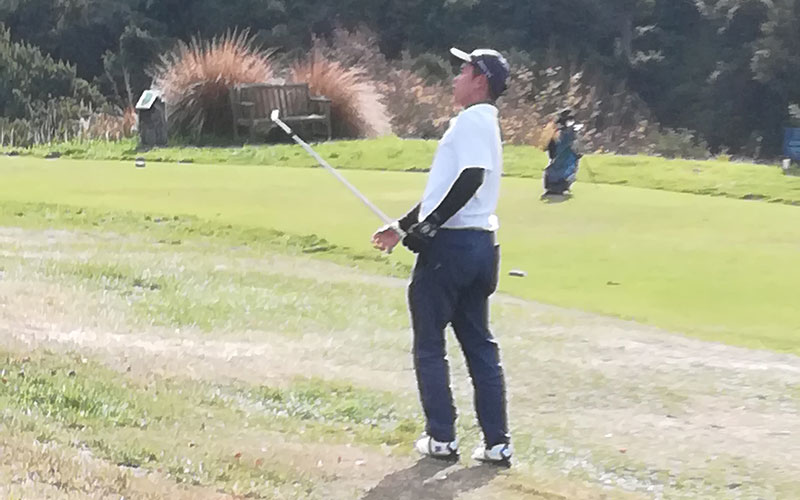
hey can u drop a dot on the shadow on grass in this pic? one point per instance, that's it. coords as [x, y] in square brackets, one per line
[555, 198]
[418, 482]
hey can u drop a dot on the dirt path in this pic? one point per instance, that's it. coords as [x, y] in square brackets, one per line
[592, 398]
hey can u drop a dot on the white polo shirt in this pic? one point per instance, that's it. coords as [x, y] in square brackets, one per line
[472, 141]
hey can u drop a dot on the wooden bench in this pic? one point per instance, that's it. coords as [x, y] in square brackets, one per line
[252, 104]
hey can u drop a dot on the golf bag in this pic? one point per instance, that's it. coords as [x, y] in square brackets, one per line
[562, 170]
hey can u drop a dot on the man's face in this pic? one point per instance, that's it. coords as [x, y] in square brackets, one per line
[468, 85]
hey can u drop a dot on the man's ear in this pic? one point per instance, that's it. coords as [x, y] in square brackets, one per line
[485, 84]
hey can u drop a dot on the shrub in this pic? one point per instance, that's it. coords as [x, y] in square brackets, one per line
[29, 77]
[614, 119]
[418, 96]
[64, 120]
[433, 68]
[414, 106]
[196, 77]
[680, 143]
[41, 100]
[357, 109]
[418, 109]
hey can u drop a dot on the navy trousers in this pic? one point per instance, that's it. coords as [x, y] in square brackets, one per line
[451, 284]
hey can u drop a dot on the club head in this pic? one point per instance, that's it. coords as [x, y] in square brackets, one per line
[275, 114]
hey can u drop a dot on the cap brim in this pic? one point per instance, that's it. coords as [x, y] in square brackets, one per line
[460, 54]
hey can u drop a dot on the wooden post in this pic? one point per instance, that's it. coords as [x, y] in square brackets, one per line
[152, 120]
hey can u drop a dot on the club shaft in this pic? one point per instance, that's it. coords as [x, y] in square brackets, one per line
[377, 211]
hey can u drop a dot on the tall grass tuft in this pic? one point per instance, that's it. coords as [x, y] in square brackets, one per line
[59, 120]
[357, 108]
[196, 77]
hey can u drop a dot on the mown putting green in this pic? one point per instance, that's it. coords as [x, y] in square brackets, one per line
[715, 268]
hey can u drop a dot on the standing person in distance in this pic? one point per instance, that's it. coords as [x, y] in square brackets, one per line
[562, 170]
[452, 231]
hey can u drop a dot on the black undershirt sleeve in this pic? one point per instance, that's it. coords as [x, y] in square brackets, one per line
[409, 219]
[460, 193]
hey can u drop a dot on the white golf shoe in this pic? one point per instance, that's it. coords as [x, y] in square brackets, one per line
[497, 454]
[429, 447]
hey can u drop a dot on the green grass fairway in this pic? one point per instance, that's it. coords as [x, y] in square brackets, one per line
[715, 268]
[713, 177]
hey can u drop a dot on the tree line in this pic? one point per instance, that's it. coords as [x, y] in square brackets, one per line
[727, 69]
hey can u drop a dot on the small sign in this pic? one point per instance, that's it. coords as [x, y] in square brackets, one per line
[791, 144]
[148, 98]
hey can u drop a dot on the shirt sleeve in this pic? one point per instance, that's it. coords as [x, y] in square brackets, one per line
[473, 145]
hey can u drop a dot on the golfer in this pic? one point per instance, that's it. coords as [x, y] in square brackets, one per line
[562, 170]
[452, 231]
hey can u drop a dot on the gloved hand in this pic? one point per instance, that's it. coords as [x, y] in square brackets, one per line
[420, 236]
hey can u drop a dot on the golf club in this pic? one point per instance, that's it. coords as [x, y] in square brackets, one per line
[275, 117]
